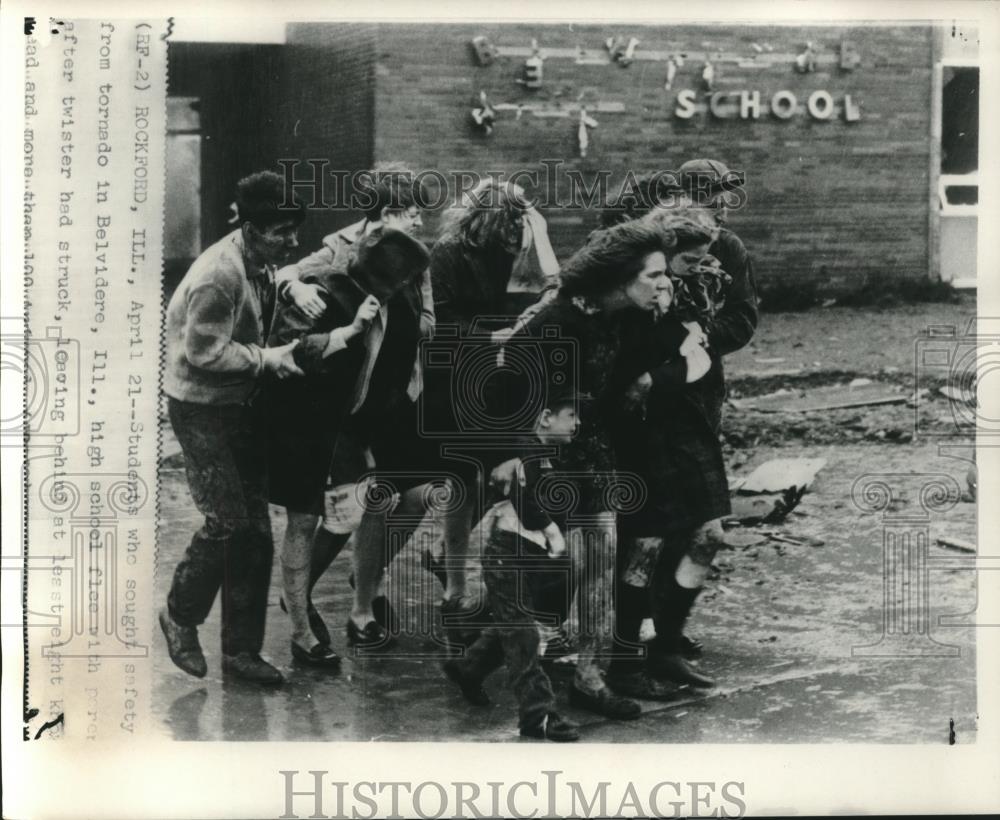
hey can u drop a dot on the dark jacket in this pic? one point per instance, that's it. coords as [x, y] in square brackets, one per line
[482, 290]
[473, 297]
[333, 255]
[535, 504]
[734, 325]
[592, 342]
[675, 447]
[323, 395]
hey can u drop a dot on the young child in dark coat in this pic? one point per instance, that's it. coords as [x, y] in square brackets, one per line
[525, 549]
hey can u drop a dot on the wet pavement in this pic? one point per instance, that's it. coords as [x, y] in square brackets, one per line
[788, 632]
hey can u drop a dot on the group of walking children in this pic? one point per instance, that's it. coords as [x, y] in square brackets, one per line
[568, 414]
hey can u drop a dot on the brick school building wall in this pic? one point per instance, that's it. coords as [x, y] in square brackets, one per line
[833, 203]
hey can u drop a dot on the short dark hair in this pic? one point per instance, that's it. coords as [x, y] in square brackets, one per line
[393, 186]
[689, 235]
[261, 201]
[612, 257]
[559, 402]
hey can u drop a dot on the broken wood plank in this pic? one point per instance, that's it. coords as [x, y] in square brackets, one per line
[834, 397]
[797, 540]
[786, 539]
[848, 403]
[956, 544]
[559, 109]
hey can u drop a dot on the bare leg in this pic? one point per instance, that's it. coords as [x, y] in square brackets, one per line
[457, 525]
[326, 547]
[379, 539]
[593, 551]
[296, 559]
[696, 564]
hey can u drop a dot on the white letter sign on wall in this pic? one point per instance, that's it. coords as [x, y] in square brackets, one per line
[783, 104]
[746, 104]
[685, 104]
[820, 105]
[749, 104]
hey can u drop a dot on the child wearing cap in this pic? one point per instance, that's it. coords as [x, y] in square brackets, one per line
[526, 547]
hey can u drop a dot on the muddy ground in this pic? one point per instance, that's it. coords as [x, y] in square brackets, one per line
[807, 641]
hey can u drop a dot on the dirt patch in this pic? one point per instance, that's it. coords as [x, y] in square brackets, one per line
[860, 342]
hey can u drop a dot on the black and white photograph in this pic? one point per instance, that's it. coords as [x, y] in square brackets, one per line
[628, 470]
[611, 385]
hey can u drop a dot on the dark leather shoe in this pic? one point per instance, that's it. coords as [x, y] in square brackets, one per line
[554, 727]
[316, 623]
[641, 686]
[183, 646]
[472, 689]
[373, 635]
[605, 702]
[251, 667]
[320, 655]
[385, 615]
[673, 667]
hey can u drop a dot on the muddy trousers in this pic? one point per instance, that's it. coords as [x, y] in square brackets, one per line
[513, 637]
[226, 468]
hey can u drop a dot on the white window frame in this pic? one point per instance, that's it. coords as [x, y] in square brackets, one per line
[946, 210]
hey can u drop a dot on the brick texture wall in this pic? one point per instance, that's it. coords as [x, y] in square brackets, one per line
[327, 112]
[831, 204]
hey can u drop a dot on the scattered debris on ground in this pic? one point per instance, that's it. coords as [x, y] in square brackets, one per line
[773, 490]
[767, 508]
[859, 392]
